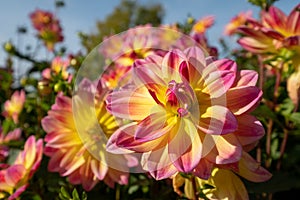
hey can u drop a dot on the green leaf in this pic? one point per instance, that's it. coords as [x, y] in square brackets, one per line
[84, 196]
[75, 194]
[274, 149]
[64, 195]
[264, 112]
[295, 117]
[287, 107]
[207, 186]
[133, 189]
[184, 175]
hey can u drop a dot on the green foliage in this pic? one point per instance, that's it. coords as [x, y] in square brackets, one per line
[128, 14]
[64, 195]
[263, 4]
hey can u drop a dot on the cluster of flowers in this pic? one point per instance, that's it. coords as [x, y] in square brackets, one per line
[14, 177]
[48, 27]
[165, 112]
[165, 105]
[275, 38]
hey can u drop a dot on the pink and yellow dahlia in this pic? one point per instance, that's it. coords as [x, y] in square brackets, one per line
[14, 106]
[58, 66]
[48, 27]
[5, 139]
[71, 151]
[214, 187]
[188, 112]
[203, 24]
[125, 48]
[234, 188]
[14, 178]
[275, 31]
[236, 22]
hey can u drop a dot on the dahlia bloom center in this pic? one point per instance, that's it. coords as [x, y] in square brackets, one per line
[179, 97]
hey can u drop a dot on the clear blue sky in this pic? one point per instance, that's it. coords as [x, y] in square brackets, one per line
[81, 15]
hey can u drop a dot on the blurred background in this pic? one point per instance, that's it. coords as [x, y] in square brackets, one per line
[83, 16]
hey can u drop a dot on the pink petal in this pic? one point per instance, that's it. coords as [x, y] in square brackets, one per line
[46, 73]
[38, 156]
[226, 64]
[118, 176]
[99, 169]
[29, 152]
[18, 192]
[15, 174]
[292, 41]
[195, 53]
[216, 81]
[203, 169]
[74, 163]
[229, 149]
[274, 18]
[217, 120]
[123, 140]
[48, 124]
[130, 104]
[191, 71]
[88, 179]
[158, 163]
[53, 165]
[184, 71]
[246, 78]
[74, 178]
[262, 44]
[185, 147]
[144, 75]
[251, 170]
[243, 99]
[62, 139]
[152, 127]
[171, 63]
[249, 130]
[272, 34]
[13, 135]
[62, 102]
[293, 21]
[223, 149]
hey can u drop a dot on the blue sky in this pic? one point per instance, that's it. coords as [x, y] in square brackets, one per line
[81, 15]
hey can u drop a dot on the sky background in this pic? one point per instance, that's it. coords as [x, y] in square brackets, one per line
[81, 15]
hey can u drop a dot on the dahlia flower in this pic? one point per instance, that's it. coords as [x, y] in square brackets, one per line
[275, 31]
[48, 27]
[234, 188]
[203, 24]
[123, 49]
[14, 178]
[236, 22]
[4, 139]
[58, 66]
[187, 112]
[14, 106]
[76, 149]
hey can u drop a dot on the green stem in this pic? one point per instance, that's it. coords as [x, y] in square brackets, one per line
[282, 148]
[195, 191]
[271, 122]
[118, 192]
